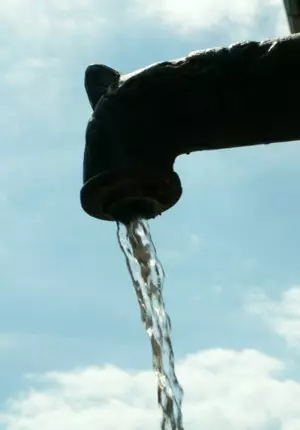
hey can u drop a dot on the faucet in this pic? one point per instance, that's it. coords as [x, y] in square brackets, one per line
[245, 94]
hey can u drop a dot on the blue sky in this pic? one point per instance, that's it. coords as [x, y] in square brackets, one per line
[73, 353]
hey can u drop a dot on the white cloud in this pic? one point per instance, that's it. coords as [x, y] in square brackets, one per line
[45, 36]
[33, 83]
[225, 389]
[195, 241]
[178, 254]
[52, 19]
[193, 15]
[282, 316]
[217, 289]
[7, 341]
[41, 40]
[57, 18]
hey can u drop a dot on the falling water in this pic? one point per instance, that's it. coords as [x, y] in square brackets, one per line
[148, 276]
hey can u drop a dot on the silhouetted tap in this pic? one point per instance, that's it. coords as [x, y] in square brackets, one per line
[246, 94]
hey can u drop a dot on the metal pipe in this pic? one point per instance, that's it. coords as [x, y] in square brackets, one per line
[292, 8]
[246, 94]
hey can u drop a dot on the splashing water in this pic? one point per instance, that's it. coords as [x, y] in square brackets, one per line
[148, 276]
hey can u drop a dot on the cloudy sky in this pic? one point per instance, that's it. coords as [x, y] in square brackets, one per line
[73, 353]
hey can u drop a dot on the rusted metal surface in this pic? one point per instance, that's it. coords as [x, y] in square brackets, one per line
[246, 94]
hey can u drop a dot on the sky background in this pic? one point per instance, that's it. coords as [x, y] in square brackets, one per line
[73, 352]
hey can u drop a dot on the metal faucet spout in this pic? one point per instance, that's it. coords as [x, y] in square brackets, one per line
[246, 94]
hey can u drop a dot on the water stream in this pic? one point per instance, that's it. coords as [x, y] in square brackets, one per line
[147, 275]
